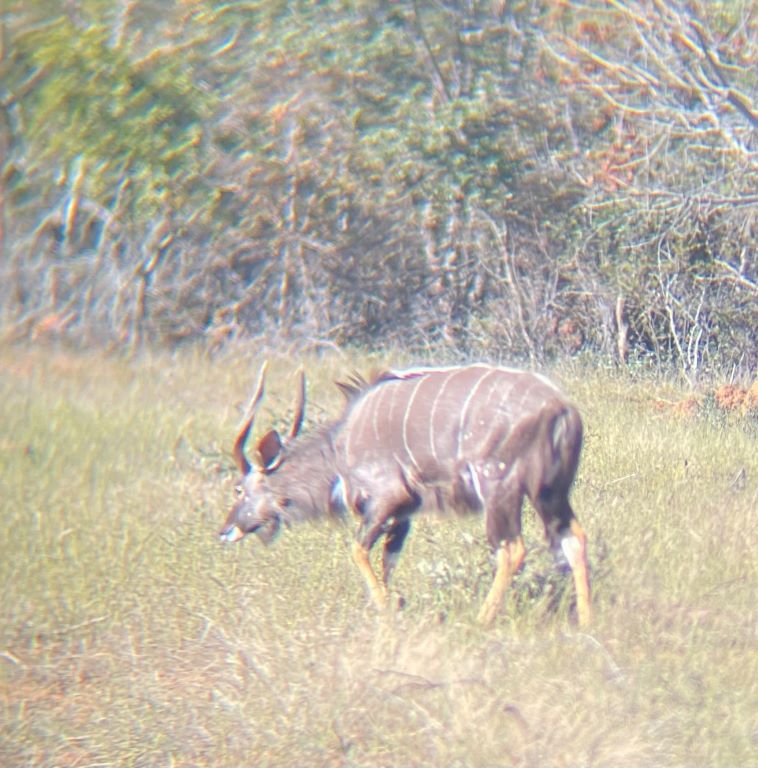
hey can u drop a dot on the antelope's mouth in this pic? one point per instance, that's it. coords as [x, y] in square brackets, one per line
[266, 530]
[233, 533]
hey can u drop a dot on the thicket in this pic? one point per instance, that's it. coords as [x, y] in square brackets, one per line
[512, 179]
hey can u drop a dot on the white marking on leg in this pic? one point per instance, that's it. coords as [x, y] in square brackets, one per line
[571, 549]
[475, 482]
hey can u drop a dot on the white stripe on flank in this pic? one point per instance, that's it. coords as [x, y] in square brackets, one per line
[546, 382]
[459, 452]
[517, 410]
[504, 397]
[502, 417]
[452, 373]
[352, 427]
[525, 395]
[380, 393]
[405, 422]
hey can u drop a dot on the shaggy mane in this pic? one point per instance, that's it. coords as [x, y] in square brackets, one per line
[356, 384]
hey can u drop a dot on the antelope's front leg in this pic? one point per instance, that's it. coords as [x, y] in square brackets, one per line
[393, 543]
[509, 556]
[377, 589]
[394, 538]
[373, 525]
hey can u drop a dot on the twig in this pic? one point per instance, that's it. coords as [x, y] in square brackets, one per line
[621, 479]
[8, 656]
[737, 276]
[82, 624]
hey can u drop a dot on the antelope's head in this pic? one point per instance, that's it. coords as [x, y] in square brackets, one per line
[262, 498]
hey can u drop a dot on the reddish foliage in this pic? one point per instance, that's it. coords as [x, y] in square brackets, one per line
[570, 335]
[686, 408]
[751, 398]
[734, 399]
[729, 397]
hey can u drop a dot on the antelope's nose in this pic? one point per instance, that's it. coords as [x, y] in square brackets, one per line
[232, 533]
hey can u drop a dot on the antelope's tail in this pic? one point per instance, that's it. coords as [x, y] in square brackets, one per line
[565, 440]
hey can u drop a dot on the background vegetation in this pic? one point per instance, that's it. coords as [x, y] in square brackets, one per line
[130, 636]
[523, 178]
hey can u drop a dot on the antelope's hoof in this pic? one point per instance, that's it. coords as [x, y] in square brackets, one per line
[583, 618]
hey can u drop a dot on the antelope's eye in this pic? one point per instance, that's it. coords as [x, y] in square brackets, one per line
[239, 491]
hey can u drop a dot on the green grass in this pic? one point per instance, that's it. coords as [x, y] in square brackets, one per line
[129, 636]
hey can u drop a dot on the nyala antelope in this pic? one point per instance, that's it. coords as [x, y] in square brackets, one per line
[474, 438]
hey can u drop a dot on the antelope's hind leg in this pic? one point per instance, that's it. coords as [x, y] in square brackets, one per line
[574, 546]
[564, 531]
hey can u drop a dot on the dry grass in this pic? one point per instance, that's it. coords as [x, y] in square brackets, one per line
[130, 636]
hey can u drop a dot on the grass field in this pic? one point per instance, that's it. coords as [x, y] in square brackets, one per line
[129, 636]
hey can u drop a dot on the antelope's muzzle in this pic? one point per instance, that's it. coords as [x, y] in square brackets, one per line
[231, 533]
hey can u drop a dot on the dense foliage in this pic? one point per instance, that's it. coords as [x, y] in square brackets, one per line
[511, 179]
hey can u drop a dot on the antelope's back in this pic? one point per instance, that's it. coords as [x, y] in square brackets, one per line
[433, 420]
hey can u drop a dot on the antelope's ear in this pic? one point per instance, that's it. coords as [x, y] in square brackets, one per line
[269, 449]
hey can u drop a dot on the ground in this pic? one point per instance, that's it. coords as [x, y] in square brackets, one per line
[130, 636]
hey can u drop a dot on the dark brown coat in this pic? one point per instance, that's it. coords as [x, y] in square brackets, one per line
[478, 437]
